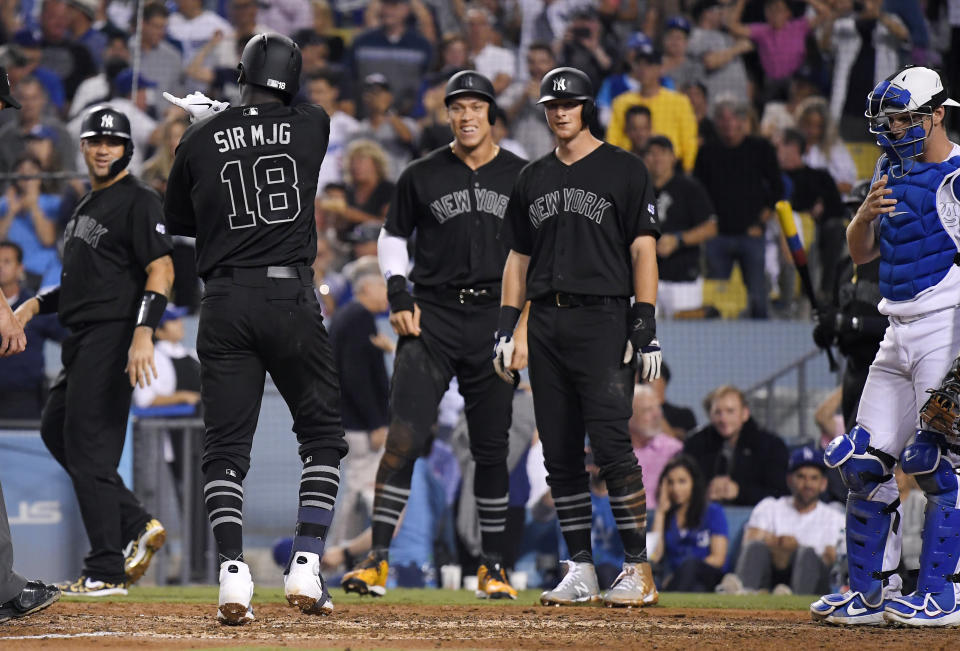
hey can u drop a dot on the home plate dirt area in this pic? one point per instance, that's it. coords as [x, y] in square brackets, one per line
[407, 622]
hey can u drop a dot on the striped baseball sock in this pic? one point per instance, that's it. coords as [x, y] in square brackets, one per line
[628, 501]
[575, 513]
[490, 486]
[223, 494]
[319, 483]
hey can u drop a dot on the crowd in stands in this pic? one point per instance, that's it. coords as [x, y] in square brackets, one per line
[733, 105]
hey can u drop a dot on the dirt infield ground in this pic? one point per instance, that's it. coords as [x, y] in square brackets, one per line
[367, 625]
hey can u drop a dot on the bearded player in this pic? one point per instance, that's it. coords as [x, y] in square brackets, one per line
[908, 220]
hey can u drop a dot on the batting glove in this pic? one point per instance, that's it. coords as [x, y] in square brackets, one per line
[503, 357]
[503, 344]
[196, 104]
[642, 338]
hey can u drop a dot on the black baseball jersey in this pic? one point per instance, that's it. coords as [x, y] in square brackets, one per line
[113, 235]
[243, 183]
[682, 204]
[456, 213]
[577, 222]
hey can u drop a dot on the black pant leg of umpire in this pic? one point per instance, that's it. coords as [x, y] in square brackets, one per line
[296, 350]
[231, 372]
[84, 426]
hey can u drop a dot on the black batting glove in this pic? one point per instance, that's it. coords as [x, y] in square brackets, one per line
[397, 294]
[643, 325]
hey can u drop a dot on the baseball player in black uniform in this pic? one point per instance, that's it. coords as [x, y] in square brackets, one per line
[453, 200]
[243, 183]
[117, 275]
[582, 227]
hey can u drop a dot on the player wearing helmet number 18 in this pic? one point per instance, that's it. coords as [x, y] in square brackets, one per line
[243, 183]
[581, 226]
[909, 220]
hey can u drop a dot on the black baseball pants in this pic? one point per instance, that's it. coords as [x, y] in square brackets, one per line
[84, 424]
[581, 386]
[251, 324]
[456, 340]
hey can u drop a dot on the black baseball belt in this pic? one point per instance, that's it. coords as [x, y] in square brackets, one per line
[479, 295]
[564, 299]
[248, 274]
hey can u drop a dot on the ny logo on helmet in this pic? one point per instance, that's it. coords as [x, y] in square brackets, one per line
[468, 82]
[106, 121]
[560, 83]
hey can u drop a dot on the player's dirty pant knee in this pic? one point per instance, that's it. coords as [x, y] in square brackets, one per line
[873, 512]
[400, 453]
[925, 459]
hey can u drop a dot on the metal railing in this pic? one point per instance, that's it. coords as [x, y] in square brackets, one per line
[763, 399]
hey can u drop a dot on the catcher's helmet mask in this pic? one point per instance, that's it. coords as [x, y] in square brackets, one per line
[915, 92]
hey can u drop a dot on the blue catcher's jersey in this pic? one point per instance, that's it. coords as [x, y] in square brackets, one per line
[920, 239]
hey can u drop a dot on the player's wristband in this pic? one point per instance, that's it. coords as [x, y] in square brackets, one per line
[507, 323]
[642, 318]
[397, 294]
[151, 310]
[49, 300]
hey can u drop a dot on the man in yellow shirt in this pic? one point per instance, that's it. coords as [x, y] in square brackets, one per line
[671, 111]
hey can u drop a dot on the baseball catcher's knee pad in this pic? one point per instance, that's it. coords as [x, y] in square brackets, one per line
[939, 560]
[863, 468]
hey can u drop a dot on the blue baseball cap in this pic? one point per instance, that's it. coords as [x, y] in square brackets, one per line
[643, 48]
[679, 22]
[172, 313]
[41, 132]
[123, 82]
[806, 456]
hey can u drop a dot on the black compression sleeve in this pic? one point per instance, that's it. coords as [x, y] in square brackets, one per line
[49, 300]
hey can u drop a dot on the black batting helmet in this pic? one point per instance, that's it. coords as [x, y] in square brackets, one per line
[107, 121]
[569, 83]
[471, 82]
[271, 61]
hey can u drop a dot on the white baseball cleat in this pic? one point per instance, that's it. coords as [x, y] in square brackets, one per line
[304, 587]
[236, 591]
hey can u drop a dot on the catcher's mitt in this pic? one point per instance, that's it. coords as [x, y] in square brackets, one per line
[941, 411]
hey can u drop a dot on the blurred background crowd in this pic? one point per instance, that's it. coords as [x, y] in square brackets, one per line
[733, 105]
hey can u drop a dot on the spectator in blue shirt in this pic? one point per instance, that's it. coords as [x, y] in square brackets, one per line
[693, 532]
[28, 219]
[22, 376]
[396, 50]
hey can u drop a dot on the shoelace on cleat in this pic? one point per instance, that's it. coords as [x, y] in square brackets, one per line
[568, 579]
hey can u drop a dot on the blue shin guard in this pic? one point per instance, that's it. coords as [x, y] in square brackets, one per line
[934, 603]
[873, 533]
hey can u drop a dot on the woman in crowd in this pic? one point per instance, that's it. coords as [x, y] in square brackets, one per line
[825, 149]
[28, 217]
[368, 191]
[692, 532]
[157, 168]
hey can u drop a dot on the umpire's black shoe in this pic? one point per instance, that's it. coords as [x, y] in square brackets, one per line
[35, 596]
